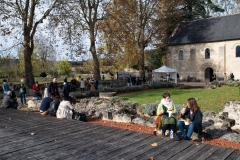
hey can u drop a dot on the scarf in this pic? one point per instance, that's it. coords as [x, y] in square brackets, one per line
[167, 104]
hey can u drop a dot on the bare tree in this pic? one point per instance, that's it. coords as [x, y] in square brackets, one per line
[82, 22]
[21, 19]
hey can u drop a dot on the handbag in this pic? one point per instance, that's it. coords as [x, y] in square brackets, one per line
[159, 121]
[177, 136]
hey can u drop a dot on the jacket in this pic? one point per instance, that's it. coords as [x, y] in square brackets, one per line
[196, 118]
[65, 110]
[53, 108]
[7, 102]
[53, 89]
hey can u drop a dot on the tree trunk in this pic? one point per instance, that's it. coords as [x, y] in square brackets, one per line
[96, 70]
[141, 46]
[29, 78]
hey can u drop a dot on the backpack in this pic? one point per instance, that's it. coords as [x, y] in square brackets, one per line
[178, 136]
[81, 117]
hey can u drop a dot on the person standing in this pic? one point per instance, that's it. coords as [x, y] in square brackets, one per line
[22, 94]
[82, 85]
[214, 78]
[73, 84]
[53, 88]
[103, 77]
[45, 93]
[129, 81]
[96, 84]
[153, 79]
[66, 89]
[5, 87]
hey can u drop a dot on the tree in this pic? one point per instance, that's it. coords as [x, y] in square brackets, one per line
[62, 67]
[83, 19]
[135, 21]
[23, 17]
[198, 9]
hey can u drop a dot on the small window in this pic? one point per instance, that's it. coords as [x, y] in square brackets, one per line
[181, 55]
[207, 53]
[238, 51]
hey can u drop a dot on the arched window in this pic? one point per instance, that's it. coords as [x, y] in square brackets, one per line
[207, 53]
[181, 55]
[238, 51]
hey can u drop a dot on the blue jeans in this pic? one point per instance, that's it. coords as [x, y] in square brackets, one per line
[15, 104]
[23, 98]
[190, 129]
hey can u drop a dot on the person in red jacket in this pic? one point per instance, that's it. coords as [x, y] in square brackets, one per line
[36, 91]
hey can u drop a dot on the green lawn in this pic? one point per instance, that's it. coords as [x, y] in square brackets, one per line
[209, 99]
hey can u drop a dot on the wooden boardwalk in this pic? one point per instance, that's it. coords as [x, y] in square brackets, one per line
[64, 139]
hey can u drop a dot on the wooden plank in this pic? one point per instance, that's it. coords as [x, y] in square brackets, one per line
[100, 143]
[115, 145]
[39, 137]
[124, 149]
[235, 155]
[143, 147]
[188, 152]
[148, 151]
[171, 152]
[64, 142]
[205, 153]
[82, 143]
[221, 154]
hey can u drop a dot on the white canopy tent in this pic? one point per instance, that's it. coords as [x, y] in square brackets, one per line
[163, 71]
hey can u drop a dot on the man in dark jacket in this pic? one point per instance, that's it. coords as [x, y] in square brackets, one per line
[66, 89]
[54, 106]
[53, 88]
[8, 101]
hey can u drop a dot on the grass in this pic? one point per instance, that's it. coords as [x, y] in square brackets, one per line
[208, 99]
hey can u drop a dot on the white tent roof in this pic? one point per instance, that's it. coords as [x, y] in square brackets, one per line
[165, 69]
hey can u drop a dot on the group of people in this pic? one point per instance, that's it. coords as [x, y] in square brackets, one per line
[191, 117]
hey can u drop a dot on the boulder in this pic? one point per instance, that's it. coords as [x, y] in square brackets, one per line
[34, 105]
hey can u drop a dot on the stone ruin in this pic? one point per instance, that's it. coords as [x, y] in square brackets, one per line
[225, 124]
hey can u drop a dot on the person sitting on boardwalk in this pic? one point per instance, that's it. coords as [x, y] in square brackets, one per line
[45, 105]
[36, 91]
[65, 109]
[8, 101]
[167, 110]
[193, 113]
[54, 106]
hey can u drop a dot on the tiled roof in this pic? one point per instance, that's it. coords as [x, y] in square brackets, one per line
[207, 30]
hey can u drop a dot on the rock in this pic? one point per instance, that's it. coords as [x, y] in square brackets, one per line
[107, 95]
[34, 105]
[122, 118]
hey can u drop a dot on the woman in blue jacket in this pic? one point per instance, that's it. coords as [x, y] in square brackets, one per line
[195, 115]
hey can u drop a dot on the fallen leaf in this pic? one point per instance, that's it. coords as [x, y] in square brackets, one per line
[154, 144]
[32, 134]
[10, 119]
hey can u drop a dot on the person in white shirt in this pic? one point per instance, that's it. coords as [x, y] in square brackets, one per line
[65, 109]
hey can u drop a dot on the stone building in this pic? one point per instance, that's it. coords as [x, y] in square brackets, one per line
[200, 48]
